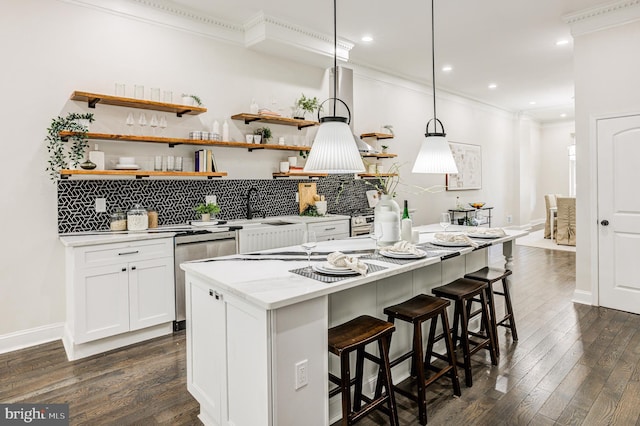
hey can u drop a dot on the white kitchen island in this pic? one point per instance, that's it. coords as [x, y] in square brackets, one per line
[257, 333]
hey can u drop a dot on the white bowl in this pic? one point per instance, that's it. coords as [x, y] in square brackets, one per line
[126, 160]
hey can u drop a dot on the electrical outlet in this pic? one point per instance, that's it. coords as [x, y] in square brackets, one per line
[509, 218]
[210, 199]
[101, 205]
[297, 197]
[302, 378]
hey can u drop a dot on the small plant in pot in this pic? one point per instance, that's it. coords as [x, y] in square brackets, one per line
[305, 105]
[265, 132]
[62, 156]
[191, 100]
[384, 148]
[207, 210]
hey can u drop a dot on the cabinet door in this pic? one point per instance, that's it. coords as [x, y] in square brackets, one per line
[101, 303]
[206, 349]
[151, 292]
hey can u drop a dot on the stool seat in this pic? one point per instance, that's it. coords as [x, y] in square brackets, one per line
[359, 331]
[417, 309]
[463, 291]
[354, 336]
[489, 274]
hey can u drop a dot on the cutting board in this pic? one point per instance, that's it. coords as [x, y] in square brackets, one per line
[307, 193]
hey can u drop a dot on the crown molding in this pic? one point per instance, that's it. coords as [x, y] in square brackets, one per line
[603, 17]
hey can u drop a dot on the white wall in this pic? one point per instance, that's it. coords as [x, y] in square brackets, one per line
[606, 72]
[57, 47]
[554, 156]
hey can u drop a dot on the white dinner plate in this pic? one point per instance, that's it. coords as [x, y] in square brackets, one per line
[127, 167]
[327, 268]
[450, 244]
[485, 236]
[396, 255]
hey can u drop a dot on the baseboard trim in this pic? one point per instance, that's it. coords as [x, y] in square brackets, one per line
[582, 297]
[31, 337]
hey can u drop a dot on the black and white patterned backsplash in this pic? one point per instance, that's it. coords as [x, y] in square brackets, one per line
[175, 199]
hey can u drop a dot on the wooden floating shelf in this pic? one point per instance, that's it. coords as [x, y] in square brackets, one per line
[139, 173]
[378, 155]
[301, 174]
[376, 175]
[181, 141]
[377, 135]
[249, 118]
[95, 98]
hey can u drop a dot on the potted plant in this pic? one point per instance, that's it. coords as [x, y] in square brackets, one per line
[191, 100]
[71, 156]
[207, 210]
[265, 132]
[304, 105]
[384, 148]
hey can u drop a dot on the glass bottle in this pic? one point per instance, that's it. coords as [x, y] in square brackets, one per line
[406, 224]
[405, 212]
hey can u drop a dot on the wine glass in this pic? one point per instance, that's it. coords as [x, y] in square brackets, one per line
[142, 121]
[153, 123]
[162, 124]
[445, 220]
[130, 122]
[308, 243]
[375, 235]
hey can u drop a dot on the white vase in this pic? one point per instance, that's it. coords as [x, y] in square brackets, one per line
[387, 220]
[206, 217]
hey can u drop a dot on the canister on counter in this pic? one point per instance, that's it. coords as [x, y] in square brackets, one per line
[153, 217]
[137, 219]
[118, 221]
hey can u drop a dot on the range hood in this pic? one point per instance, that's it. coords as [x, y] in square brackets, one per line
[345, 94]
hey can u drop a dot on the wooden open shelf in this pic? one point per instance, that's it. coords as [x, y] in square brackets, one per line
[180, 141]
[249, 118]
[139, 173]
[376, 135]
[301, 174]
[376, 175]
[378, 155]
[94, 98]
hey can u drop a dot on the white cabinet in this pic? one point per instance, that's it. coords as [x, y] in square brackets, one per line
[330, 230]
[227, 357]
[118, 292]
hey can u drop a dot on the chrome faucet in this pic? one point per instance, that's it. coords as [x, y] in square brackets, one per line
[250, 210]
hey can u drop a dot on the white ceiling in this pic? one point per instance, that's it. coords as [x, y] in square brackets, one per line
[511, 43]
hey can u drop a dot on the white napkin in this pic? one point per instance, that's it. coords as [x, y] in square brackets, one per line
[493, 232]
[403, 247]
[454, 237]
[352, 262]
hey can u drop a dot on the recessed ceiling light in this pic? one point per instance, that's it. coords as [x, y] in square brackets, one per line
[563, 115]
[562, 42]
[492, 86]
[447, 68]
[532, 102]
[367, 38]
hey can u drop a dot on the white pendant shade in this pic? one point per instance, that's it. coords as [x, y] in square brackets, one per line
[334, 150]
[435, 157]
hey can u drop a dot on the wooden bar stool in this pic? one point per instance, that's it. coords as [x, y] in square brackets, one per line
[462, 291]
[352, 336]
[492, 276]
[416, 311]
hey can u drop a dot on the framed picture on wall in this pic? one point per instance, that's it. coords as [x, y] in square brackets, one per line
[468, 159]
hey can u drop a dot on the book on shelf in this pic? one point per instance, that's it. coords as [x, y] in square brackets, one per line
[205, 161]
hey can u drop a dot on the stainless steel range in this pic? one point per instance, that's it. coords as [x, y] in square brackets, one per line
[361, 222]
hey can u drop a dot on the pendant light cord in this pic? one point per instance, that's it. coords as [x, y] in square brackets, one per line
[335, 55]
[433, 63]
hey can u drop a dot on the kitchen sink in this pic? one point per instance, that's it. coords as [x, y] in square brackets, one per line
[278, 223]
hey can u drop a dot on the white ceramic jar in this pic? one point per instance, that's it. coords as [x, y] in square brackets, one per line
[387, 220]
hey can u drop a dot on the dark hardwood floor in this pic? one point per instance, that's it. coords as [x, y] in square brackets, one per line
[573, 364]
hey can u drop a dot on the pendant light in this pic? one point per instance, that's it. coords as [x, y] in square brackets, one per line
[434, 155]
[334, 149]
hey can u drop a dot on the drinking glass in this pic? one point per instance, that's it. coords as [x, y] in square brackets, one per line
[155, 94]
[157, 163]
[308, 243]
[445, 220]
[138, 91]
[375, 235]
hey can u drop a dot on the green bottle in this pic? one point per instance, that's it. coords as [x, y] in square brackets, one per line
[405, 212]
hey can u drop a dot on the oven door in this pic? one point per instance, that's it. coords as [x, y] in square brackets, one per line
[361, 230]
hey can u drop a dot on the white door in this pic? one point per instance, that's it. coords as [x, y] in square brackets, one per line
[619, 212]
[151, 292]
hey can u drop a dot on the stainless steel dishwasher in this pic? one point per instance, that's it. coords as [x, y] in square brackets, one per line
[195, 245]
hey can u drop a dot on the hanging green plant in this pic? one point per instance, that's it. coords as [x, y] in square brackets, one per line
[265, 132]
[61, 156]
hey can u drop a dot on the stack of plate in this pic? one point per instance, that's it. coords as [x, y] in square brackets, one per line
[398, 255]
[329, 269]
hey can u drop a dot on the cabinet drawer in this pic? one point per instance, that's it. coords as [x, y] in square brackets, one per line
[109, 254]
[336, 227]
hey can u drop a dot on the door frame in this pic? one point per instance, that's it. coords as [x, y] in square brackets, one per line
[593, 219]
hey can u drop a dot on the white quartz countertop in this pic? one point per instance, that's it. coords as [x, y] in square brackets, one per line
[268, 284]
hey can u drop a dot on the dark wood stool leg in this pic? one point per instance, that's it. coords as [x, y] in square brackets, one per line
[419, 367]
[345, 381]
[450, 352]
[357, 394]
[509, 306]
[383, 345]
[487, 323]
[492, 318]
[454, 330]
[464, 338]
